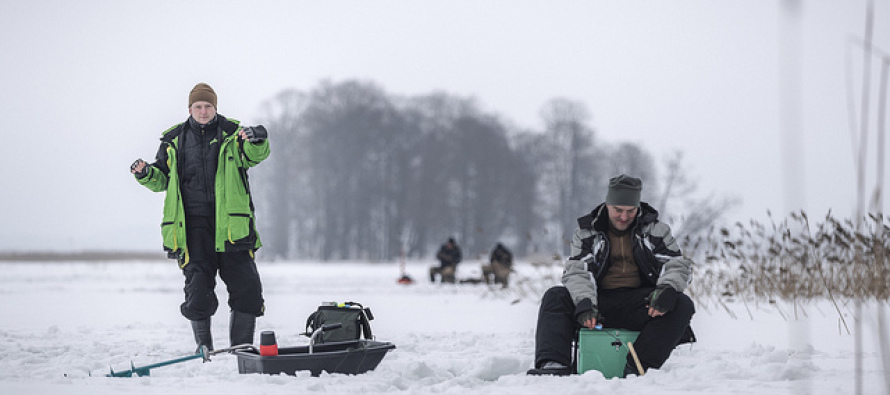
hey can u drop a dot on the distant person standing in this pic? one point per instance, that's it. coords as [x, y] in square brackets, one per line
[208, 219]
[449, 256]
[499, 266]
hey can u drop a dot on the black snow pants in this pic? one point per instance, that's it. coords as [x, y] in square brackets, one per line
[237, 269]
[620, 308]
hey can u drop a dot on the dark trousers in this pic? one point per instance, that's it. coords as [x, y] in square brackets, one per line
[622, 308]
[237, 269]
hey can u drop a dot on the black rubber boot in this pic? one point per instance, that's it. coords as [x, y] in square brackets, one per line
[201, 328]
[630, 368]
[241, 328]
[551, 369]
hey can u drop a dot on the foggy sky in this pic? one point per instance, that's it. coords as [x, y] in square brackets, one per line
[88, 86]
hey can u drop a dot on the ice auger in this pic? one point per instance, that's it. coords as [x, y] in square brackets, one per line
[202, 353]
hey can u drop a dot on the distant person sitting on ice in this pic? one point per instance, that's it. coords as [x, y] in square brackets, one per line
[449, 256]
[626, 271]
[499, 265]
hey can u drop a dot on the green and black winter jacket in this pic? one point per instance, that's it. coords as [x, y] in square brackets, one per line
[235, 219]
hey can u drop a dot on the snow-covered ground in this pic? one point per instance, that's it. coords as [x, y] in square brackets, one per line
[62, 322]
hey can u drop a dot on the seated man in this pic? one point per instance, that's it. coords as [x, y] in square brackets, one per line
[500, 264]
[449, 256]
[626, 271]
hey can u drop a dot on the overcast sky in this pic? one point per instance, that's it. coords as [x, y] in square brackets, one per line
[87, 86]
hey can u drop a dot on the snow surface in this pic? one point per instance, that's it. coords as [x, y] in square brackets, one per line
[62, 325]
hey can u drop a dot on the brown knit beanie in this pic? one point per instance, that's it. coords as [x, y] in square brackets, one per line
[202, 92]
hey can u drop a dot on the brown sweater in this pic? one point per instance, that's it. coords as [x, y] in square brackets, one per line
[623, 272]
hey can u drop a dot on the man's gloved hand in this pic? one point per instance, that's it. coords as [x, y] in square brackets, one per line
[663, 298]
[586, 314]
[139, 168]
[588, 319]
[255, 134]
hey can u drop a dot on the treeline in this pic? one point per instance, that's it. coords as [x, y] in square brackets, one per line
[357, 173]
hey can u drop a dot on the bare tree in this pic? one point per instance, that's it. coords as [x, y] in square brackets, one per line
[283, 194]
[633, 160]
[469, 175]
[690, 217]
[432, 117]
[354, 132]
[571, 169]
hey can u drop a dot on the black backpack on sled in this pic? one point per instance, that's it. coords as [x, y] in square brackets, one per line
[354, 317]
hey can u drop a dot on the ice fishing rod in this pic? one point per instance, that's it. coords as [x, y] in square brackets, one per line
[204, 353]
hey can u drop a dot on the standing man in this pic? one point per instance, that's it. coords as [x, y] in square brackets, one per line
[449, 256]
[626, 271]
[208, 221]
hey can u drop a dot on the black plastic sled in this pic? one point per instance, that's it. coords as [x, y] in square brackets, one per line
[349, 357]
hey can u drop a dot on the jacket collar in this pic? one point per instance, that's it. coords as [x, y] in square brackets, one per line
[227, 126]
[193, 124]
[598, 219]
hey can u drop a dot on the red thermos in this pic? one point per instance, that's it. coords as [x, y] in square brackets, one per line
[268, 346]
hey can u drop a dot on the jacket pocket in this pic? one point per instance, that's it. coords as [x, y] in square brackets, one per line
[168, 235]
[239, 227]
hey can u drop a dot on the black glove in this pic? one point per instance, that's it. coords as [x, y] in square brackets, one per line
[143, 172]
[663, 298]
[586, 311]
[256, 134]
[588, 315]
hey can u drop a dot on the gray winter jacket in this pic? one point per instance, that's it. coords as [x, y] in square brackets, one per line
[655, 252]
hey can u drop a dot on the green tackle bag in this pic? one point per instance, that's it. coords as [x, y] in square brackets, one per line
[354, 317]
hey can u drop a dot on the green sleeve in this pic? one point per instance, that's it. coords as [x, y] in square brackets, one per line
[255, 153]
[156, 180]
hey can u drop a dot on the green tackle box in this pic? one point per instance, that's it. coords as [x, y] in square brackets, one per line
[604, 350]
